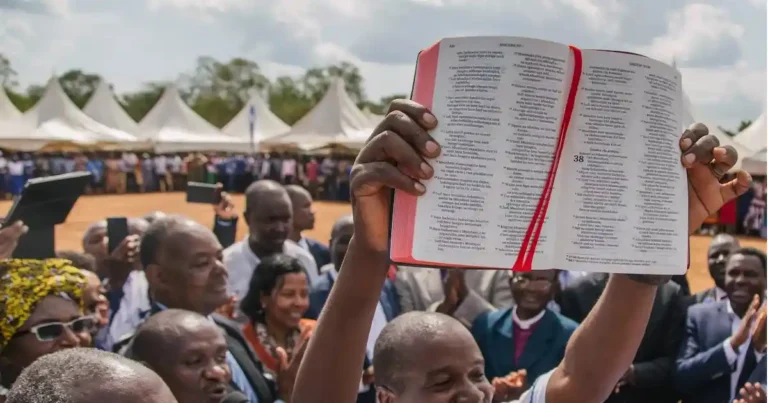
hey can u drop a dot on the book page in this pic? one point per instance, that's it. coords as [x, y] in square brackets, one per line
[624, 205]
[499, 102]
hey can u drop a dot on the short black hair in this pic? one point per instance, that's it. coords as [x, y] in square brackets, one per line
[158, 331]
[266, 277]
[156, 233]
[83, 261]
[61, 377]
[753, 252]
[392, 352]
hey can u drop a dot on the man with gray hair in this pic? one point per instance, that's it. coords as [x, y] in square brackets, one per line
[83, 375]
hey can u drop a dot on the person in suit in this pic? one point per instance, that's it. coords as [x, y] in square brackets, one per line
[304, 220]
[722, 346]
[649, 378]
[184, 270]
[386, 311]
[463, 294]
[527, 336]
[720, 248]
[188, 351]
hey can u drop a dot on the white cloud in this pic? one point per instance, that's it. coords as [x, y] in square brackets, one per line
[720, 85]
[200, 5]
[600, 15]
[695, 34]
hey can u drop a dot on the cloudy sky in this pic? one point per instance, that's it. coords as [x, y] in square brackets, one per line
[719, 45]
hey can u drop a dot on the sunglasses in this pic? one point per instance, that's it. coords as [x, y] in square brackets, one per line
[53, 330]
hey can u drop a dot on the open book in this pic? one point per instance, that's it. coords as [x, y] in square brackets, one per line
[552, 157]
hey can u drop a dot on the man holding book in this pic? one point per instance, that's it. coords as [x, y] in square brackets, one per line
[447, 365]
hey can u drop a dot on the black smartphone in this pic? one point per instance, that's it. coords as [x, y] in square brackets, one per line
[117, 230]
[205, 193]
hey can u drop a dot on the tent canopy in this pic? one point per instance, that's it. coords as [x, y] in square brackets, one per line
[334, 120]
[172, 126]
[104, 108]
[755, 164]
[755, 136]
[56, 119]
[8, 110]
[266, 123]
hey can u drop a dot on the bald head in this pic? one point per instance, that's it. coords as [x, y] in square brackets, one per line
[164, 229]
[343, 225]
[160, 338]
[410, 339]
[722, 239]
[154, 216]
[263, 191]
[721, 247]
[84, 375]
[296, 191]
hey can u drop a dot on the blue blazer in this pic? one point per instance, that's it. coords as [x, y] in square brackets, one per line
[320, 252]
[703, 373]
[544, 350]
[320, 291]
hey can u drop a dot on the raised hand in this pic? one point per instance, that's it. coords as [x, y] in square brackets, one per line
[752, 393]
[393, 158]
[287, 370]
[706, 163]
[225, 208]
[509, 387]
[759, 331]
[455, 290]
[9, 238]
[742, 333]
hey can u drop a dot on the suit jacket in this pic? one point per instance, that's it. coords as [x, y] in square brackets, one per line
[707, 295]
[654, 361]
[321, 291]
[544, 350]
[421, 289]
[703, 372]
[320, 252]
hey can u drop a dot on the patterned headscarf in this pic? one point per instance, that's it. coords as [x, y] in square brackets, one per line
[25, 282]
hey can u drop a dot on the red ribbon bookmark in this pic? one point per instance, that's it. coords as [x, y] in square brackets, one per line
[524, 259]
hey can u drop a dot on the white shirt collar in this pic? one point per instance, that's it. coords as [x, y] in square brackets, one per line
[526, 324]
[303, 243]
[720, 294]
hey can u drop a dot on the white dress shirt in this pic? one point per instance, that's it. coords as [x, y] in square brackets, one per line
[241, 262]
[379, 321]
[736, 358]
[526, 324]
[128, 317]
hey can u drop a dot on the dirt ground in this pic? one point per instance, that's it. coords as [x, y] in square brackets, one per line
[92, 208]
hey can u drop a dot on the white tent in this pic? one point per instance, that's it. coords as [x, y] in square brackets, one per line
[755, 136]
[104, 108]
[172, 126]
[8, 110]
[755, 164]
[334, 120]
[374, 118]
[55, 119]
[266, 123]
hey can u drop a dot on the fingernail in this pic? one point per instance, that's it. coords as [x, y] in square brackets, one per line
[431, 147]
[25, 229]
[419, 187]
[19, 223]
[429, 119]
[689, 159]
[426, 169]
[686, 143]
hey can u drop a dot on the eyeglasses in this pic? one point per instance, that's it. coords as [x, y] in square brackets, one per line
[53, 330]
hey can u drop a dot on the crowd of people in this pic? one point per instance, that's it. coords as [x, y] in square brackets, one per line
[326, 178]
[180, 312]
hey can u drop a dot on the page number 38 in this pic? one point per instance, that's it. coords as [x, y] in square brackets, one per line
[578, 158]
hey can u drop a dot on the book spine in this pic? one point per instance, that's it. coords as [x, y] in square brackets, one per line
[404, 204]
[524, 261]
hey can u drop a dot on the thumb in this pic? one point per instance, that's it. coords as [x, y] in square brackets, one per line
[282, 358]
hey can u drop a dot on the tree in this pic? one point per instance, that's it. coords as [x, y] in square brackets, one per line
[79, 85]
[288, 101]
[137, 104]
[7, 73]
[742, 125]
[316, 81]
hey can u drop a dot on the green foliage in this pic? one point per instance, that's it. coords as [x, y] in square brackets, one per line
[742, 125]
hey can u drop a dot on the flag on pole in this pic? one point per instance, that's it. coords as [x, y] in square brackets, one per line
[252, 126]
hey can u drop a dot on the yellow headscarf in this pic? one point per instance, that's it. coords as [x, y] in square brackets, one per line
[25, 282]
